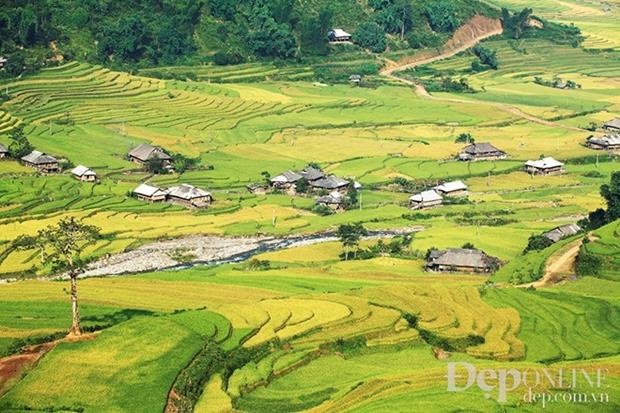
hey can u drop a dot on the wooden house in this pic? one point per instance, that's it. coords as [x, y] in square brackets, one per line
[42, 162]
[452, 189]
[425, 200]
[461, 260]
[546, 166]
[312, 174]
[330, 183]
[481, 152]
[4, 152]
[84, 174]
[607, 142]
[142, 154]
[613, 125]
[338, 36]
[565, 231]
[334, 200]
[149, 193]
[258, 189]
[189, 196]
[286, 182]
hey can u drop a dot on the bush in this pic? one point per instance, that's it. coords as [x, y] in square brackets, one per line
[587, 263]
[370, 36]
[487, 57]
[222, 58]
[537, 243]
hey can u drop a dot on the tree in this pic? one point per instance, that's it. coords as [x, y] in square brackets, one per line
[537, 243]
[487, 57]
[611, 193]
[20, 146]
[350, 235]
[302, 186]
[442, 15]
[516, 24]
[156, 166]
[352, 200]
[370, 35]
[464, 138]
[61, 246]
[587, 263]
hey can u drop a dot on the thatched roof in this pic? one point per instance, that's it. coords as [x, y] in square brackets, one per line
[546, 163]
[562, 232]
[187, 192]
[330, 182]
[460, 257]
[82, 170]
[146, 152]
[38, 158]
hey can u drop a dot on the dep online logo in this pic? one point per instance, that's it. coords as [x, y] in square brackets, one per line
[532, 385]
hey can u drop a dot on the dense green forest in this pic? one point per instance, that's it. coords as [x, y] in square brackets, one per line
[130, 34]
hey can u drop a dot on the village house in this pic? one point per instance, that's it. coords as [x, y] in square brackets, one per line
[565, 231]
[613, 125]
[4, 152]
[481, 152]
[286, 181]
[546, 166]
[145, 152]
[42, 162]
[355, 79]
[334, 200]
[452, 189]
[607, 142]
[189, 196]
[461, 260]
[425, 200]
[330, 183]
[338, 36]
[258, 189]
[84, 174]
[149, 193]
[312, 174]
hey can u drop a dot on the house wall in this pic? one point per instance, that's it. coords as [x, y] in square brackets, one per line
[455, 194]
[551, 171]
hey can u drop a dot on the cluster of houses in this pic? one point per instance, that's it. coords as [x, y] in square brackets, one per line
[185, 195]
[332, 188]
[608, 142]
[434, 197]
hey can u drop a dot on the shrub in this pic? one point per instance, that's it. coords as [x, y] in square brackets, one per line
[587, 263]
[370, 36]
[537, 242]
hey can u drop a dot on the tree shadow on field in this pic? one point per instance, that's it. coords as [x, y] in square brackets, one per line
[100, 322]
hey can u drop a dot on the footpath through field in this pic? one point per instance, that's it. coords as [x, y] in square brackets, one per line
[469, 35]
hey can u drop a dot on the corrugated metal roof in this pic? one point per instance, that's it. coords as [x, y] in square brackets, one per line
[459, 257]
[452, 187]
[148, 190]
[330, 182]
[145, 152]
[82, 170]
[546, 163]
[38, 158]
[426, 196]
[187, 192]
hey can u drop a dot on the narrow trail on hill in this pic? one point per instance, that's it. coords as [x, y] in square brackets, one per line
[469, 35]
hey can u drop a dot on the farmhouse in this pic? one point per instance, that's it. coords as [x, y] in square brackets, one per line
[149, 193]
[562, 232]
[461, 260]
[335, 201]
[546, 166]
[43, 163]
[452, 189]
[145, 152]
[613, 125]
[426, 199]
[84, 174]
[355, 79]
[258, 189]
[330, 183]
[312, 174]
[189, 196]
[607, 142]
[338, 36]
[286, 181]
[4, 152]
[481, 152]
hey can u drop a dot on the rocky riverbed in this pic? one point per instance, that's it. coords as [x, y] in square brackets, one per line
[208, 250]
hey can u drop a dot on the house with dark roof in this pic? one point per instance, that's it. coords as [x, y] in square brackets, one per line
[425, 200]
[189, 196]
[42, 162]
[149, 193]
[613, 125]
[461, 260]
[286, 182]
[312, 174]
[258, 189]
[607, 142]
[334, 200]
[546, 166]
[145, 152]
[452, 189]
[330, 183]
[481, 152]
[84, 174]
[565, 231]
[4, 152]
[338, 36]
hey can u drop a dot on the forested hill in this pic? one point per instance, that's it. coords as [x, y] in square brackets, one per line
[138, 33]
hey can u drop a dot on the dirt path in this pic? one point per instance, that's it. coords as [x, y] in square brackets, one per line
[476, 30]
[558, 266]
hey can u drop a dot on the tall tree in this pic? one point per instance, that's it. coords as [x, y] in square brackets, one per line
[61, 245]
[611, 193]
[20, 146]
[350, 235]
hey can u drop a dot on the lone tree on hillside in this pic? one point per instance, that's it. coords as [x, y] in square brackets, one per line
[20, 146]
[61, 246]
[350, 235]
